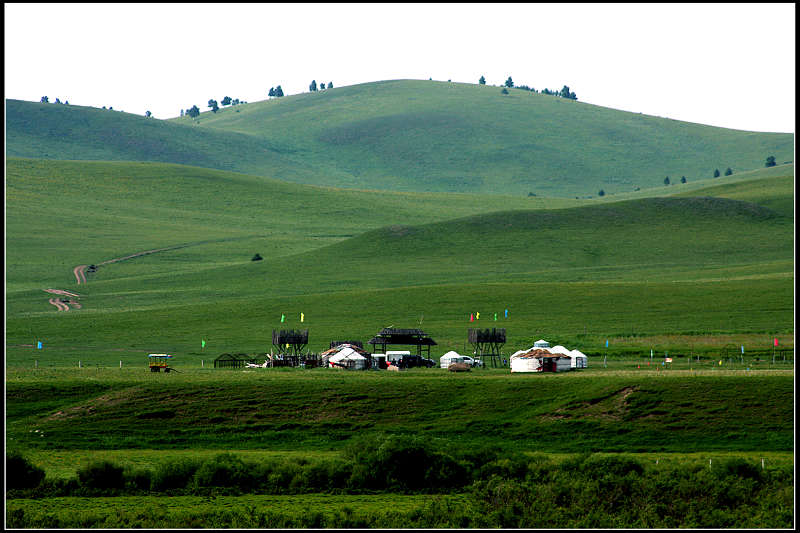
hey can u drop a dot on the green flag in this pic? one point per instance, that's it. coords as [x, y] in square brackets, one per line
[283, 317]
[203, 343]
[495, 317]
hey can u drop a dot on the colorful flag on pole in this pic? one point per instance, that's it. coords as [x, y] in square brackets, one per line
[302, 317]
[720, 362]
[39, 345]
[203, 343]
[477, 316]
[506, 313]
[471, 317]
[776, 341]
[606, 343]
[495, 317]
[742, 348]
[283, 317]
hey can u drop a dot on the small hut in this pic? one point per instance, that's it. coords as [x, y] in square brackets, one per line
[579, 360]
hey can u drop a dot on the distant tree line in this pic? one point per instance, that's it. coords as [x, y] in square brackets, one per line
[313, 86]
[509, 84]
[46, 100]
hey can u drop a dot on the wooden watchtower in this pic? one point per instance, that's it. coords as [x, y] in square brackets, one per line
[487, 343]
[289, 342]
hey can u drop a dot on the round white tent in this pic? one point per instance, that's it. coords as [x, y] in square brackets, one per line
[449, 358]
[348, 358]
[579, 360]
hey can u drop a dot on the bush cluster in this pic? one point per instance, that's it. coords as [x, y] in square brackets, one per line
[508, 490]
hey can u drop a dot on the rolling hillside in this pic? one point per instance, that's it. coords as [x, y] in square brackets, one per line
[408, 136]
[356, 261]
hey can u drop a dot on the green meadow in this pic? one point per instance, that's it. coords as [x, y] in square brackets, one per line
[398, 204]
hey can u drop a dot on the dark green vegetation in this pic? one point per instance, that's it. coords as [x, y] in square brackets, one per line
[410, 136]
[487, 489]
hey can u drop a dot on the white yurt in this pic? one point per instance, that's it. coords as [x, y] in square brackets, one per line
[579, 360]
[560, 350]
[449, 358]
[541, 344]
[348, 358]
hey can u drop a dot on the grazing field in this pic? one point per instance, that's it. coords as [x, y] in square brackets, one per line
[108, 261]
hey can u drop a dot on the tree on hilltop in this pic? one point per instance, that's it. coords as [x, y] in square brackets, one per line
[770, 160]
[213, 105]
[683, 179]
[148, 114]
[509, 82]
[716, 172]
[330, 85]
[322, 86]
[194, 112]
[45, 100]
[666, 180]
[226, 101]
[278, 91]
[482, 81]
[728, 171]
[271, 92]
[313, 86]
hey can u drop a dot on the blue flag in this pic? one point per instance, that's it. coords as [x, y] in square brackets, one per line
[742, 348]
[506, 313]
[39, 345]
[606, 343]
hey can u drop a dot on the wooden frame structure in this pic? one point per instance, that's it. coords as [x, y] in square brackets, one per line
[487, 343]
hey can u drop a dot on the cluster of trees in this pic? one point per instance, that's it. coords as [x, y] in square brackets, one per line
[509, 84]
[313, 86]
[46, 100]
[275, 91]
[194, 111]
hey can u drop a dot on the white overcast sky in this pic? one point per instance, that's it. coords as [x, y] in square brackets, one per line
[729, 65]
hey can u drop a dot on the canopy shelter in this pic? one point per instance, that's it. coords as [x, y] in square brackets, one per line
[406, 337]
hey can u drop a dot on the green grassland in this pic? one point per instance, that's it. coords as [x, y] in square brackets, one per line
[356, 261]
[408, 135]
[351, 206]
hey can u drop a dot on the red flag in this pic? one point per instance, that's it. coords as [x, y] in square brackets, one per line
[776, 341]
[471, 317]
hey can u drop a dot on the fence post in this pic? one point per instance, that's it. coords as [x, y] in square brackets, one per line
[79, 363]
[120, 364]
[202, 363]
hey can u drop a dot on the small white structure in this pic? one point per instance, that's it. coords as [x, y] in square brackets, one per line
[449, 358]
[348, 358]
[539, 360]
[579, 360]
[541, 344]
[395, 356]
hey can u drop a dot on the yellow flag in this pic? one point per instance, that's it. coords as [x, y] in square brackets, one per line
[720, 362]
[477, 315]
[302, 316]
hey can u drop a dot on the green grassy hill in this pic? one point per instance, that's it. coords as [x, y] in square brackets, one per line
[409, 136]
[356, 261]
[437, 136]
